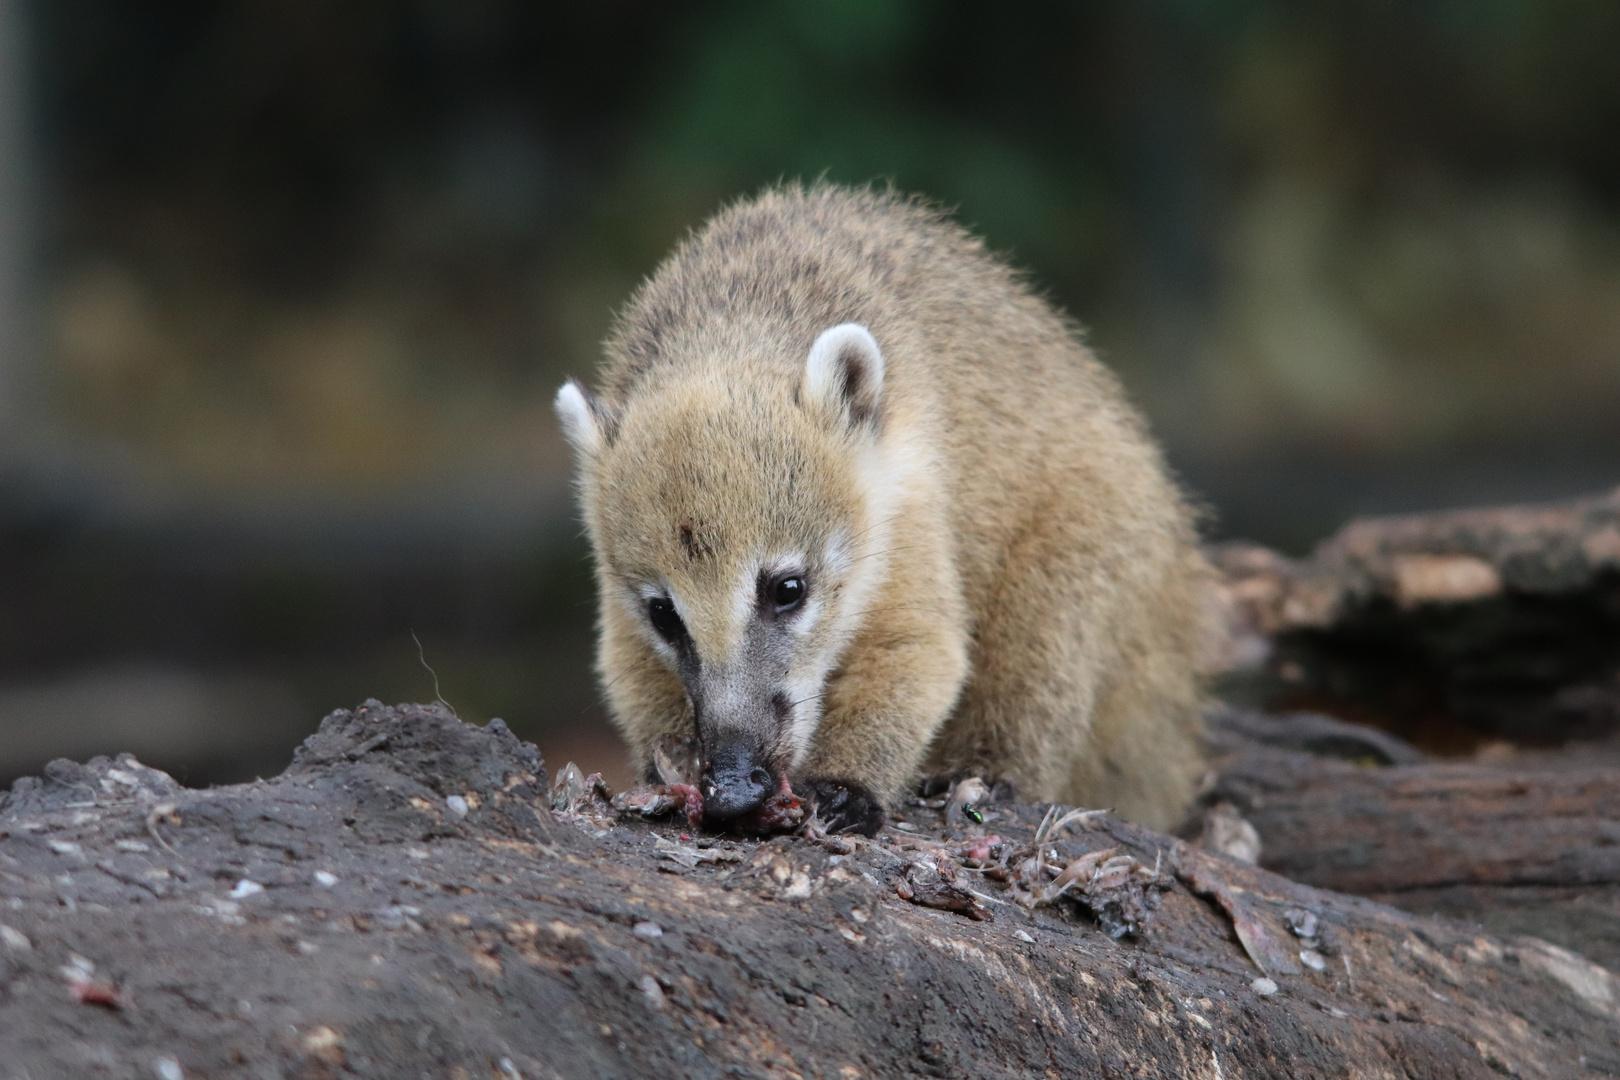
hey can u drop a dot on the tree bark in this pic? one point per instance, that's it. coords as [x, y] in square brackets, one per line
[1452, 629]
[1525, 846]
[1488, 638]
[402, 902]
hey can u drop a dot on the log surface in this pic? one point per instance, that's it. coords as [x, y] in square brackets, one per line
[1449, 628]
[401, 902]
[1528, 844]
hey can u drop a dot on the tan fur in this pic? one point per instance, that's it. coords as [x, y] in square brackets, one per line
[1020, 592]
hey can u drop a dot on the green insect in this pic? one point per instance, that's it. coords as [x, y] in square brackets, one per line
[973, 813]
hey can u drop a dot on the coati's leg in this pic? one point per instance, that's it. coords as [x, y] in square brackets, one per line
[1145, 756]
[1040, 642]
[1084, 685]
[1023, 715]
[899, 679]
[1144, 759]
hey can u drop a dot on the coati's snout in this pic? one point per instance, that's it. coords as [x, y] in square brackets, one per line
[743, 718]
[735, 780]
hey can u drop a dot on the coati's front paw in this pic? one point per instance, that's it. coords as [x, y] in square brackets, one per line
[843, 806]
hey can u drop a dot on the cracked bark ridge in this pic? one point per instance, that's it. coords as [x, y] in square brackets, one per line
[401, 901]
[1528, 844]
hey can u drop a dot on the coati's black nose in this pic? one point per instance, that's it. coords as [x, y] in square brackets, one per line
[734, 782]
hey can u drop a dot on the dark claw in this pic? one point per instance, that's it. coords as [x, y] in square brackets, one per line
[846, 807]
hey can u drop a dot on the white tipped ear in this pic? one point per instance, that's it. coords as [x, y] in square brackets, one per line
[580, 425]
[845, 373]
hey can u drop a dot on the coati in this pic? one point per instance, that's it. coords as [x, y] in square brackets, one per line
[864, 508]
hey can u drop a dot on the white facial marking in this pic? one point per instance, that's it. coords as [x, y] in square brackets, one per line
[743, 596]
[808, 615]
[804, 698]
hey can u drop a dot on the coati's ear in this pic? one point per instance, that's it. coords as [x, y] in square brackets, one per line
[584, 420]
[844, 374]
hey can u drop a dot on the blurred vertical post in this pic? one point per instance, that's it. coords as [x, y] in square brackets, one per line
[16, 326]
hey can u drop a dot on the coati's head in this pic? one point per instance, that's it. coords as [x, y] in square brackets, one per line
[739, 515]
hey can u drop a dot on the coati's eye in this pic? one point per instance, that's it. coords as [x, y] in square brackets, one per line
[664, 618]
[787, 592]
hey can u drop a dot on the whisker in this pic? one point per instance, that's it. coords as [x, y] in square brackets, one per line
[870, 529]
[885, 551]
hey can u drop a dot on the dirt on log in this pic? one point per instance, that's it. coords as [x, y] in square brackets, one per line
[401, 902]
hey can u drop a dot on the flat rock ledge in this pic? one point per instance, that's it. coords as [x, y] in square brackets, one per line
[402, 902]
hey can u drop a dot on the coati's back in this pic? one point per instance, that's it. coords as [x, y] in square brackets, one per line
[1073, 552]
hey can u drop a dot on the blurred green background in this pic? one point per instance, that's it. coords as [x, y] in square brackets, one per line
[286, 288]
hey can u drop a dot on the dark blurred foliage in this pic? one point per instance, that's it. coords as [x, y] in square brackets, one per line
[313, 257]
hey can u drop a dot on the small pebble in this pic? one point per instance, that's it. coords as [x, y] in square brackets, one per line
[167, 1068]
[246, 888]
[1021, 936]
[325, 879]
[457, 805]
[15, 939]
[1302, 923]
[1263, 986]
[652, 992]
[66, 847]
[798, 887]
[132, 845]
[905, 826]
[1312, 959]
[647, 930]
